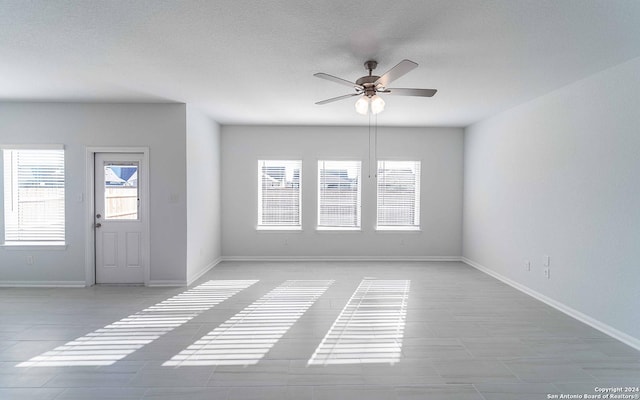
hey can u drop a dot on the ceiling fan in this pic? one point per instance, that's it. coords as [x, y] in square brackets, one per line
[370, 85]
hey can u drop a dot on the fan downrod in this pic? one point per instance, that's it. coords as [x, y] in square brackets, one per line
[370, 65]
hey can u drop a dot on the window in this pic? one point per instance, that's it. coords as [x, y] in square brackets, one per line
[339, 194]
[121, 192]
[398, 195]
[279, 194]
[34, 195]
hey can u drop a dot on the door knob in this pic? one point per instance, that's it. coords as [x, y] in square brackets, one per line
[98, 224]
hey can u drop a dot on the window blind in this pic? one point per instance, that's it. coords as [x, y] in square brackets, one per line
[34, 195]
[398, 195]
[339, 194]
[279, 193]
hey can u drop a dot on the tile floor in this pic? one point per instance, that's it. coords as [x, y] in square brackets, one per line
[388, 330]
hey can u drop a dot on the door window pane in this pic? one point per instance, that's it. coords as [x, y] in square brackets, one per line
[121, 191]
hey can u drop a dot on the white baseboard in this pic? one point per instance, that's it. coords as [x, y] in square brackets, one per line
[164, 283]
[340, 258]
[43, 284]
[594, 323]
[204, 270]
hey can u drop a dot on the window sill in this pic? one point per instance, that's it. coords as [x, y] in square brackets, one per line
[398, 229]
[279, 229]
[34, 246]
[337, 229]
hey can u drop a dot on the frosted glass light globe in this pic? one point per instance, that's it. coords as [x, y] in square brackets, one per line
[377, 104]
[362, 105]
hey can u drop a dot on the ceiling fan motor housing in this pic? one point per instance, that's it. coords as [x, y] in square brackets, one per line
[368, 82]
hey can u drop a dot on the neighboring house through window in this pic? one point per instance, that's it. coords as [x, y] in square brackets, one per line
[398, 197]
[339, 195]
[279, 194]
[34, 198]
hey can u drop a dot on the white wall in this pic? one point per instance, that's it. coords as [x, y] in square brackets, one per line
[203, 193]
[161, 127]
[439, 149]
[559, 176]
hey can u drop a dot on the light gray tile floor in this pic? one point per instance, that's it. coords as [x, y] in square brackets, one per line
[466, 336]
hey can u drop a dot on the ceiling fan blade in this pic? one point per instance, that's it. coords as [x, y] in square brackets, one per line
[410, 92]
[396, 72]
[346, 96]
[337, 80]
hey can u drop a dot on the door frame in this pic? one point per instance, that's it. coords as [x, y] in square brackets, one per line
[90, 244]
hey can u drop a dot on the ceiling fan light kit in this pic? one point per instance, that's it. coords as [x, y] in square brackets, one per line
[364, 103]
[368, 87]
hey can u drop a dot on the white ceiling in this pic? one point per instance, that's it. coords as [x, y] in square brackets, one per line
[252, 62]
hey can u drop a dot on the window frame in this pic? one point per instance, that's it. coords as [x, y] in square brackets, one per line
[320, 227]
[416, 227]
[265, 227]
[24, 244]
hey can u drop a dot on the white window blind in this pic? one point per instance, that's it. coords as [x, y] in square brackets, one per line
[279, 194]
[339, 195]
[34, 195]
[398, 195]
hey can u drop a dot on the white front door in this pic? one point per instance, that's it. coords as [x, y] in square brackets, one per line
[119, 217]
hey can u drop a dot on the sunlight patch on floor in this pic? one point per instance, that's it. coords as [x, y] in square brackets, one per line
[370, 328]
[107, 345]
[249, 335]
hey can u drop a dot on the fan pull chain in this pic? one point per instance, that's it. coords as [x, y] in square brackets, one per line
[375, 146]
[369, 150]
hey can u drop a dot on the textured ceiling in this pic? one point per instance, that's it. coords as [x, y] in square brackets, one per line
[252, 62]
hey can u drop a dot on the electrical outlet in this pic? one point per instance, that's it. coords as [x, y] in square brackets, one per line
[547, 273]
[527, 265]
[546, 261]
[30, 260]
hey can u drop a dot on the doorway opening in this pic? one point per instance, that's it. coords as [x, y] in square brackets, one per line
[118, 250]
